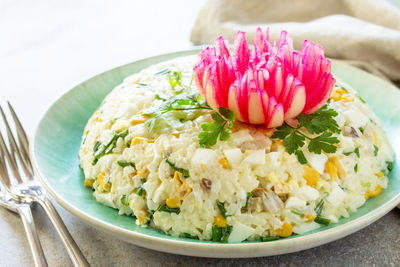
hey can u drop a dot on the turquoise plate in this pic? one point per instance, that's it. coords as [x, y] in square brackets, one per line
[58, 136]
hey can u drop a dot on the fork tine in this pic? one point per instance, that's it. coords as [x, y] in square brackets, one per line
[12, 163]
[5, 180]
[14, 148]
[22, 137]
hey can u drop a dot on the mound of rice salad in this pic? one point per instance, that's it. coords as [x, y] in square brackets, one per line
[157, 151]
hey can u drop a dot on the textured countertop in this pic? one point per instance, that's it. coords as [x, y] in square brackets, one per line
[48, 46]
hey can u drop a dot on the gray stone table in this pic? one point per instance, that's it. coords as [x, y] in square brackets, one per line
[48, 46]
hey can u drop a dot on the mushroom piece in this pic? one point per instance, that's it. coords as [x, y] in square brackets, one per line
[350, 131]
[206, 184]
[265, 200]
[260, 141]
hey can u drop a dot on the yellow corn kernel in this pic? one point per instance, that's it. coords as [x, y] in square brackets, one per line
[176, 134]
[86, 132]
[89, 182]
[376, 192]
[102, 182]
[341, 172]
[379, 174]
[375, 137]
[177, 177]
[137, 140]
[310, 175]
[224, 162]
[142, 219]
[220, 221]
[309, 217]
[99, 119]
[143, 173]
[331, 169]
[172, 202]
[137, 120]
[286, 230]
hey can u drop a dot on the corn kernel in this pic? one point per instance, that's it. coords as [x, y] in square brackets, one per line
[86, 132]
[99, 119]
[309, 217]
[310, 175]
[172, 202]
[375, 137]
[376, 192]
[137, 140]
[89, 182]
[176, 134]
[224, 162]
[220, 221]
[177, 177]
[379, 174]
[142, 219]
[341, 95]
[143, 173]
[331, 169]
[102, 182]
[137, 120]
[286, 230]
[341, 172]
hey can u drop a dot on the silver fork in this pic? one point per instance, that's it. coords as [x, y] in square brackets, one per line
[26, 188]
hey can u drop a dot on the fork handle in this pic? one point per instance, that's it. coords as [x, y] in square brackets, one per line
[33, 239]
[72, 248]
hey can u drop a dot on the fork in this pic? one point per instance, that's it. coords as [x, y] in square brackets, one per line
[24, 187]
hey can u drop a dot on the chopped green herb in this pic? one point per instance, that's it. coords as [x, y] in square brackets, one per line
[184, 172]
[143, 84]
[113, 121]
[220, 234]
[126, 164]
[296, 212]
[389, 165]
[213, 130]
[356, 168]
[347, 153]
[187, 235]
[124, 200]
[128, 143]
[319, 207]
[140, 190]
[222, 209]
[344, 89]
[368, 184]
[165, 208]
[84, 139]
[357, 152]
[361, 129]
[102, 149]
[320, 122]
[248, 197]
[376, 149]
[162, 72]
[157, 96]
[96, 146]
[175, 79]
[268, 238]
[323, 221]
[361, 99]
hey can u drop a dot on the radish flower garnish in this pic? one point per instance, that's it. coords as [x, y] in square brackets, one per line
[270, 85]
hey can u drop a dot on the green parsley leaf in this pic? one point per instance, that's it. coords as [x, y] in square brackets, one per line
[356, 168]
[389, 165]
[320, 121]
[324, 142]
[221, 127]
[300, 157]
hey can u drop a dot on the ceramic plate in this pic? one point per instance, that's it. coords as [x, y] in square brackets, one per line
[58, 136]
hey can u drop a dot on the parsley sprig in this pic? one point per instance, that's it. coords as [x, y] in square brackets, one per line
[221, 127]
[320, 123]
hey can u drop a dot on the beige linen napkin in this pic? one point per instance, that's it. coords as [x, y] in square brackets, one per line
[365, 32]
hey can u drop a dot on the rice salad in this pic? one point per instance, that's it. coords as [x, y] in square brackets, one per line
[145, 160]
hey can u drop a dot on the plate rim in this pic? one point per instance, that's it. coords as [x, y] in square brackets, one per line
[216, 250]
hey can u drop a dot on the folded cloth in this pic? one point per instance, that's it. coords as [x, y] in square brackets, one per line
[366, 32]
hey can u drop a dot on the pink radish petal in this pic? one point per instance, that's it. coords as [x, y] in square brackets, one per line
[270, 85]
